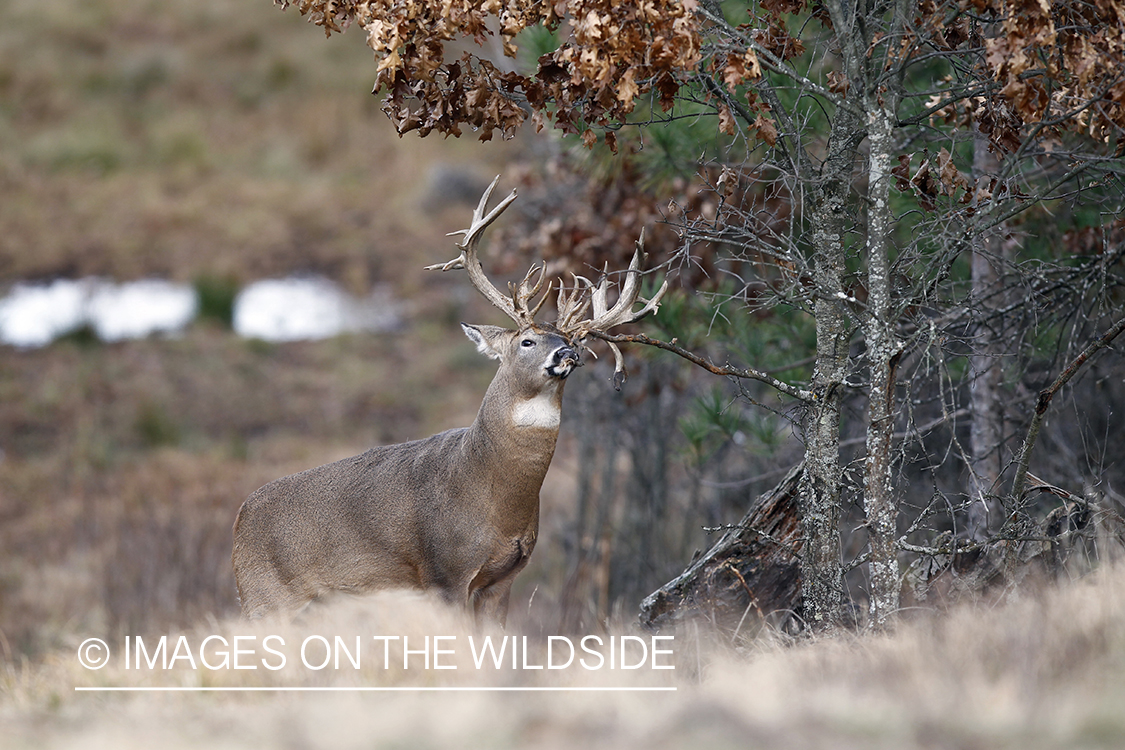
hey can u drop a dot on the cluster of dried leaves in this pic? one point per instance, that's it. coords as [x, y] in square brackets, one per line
[1041, 70]
[610, 53]
[937, 176]
[1042, 66]
[1045, 67]
[1057, 60]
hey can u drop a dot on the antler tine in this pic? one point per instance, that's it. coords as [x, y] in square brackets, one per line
[530, 293]
[605, 317]
[619, 372]
[471, 263]
[651, 305]
[480, 222]
[622, 311]
[525, 291]
[543, 299]
[563, 305]
[572, 306]
[601, 292]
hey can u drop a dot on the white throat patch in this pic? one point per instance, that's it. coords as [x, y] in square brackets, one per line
[541, 411]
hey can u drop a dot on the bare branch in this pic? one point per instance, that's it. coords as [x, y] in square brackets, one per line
[1044, 401]
[725, 370]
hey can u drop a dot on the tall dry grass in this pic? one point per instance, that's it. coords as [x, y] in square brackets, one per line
[1045, 669]
[125, 465]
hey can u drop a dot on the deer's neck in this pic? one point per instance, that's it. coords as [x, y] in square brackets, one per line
[507, 452]
[543, 411]
[516, 433]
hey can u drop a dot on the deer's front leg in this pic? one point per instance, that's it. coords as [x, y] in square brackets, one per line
[489, 590]
[490, 604]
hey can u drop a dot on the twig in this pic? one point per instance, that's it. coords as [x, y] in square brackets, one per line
[742, 527]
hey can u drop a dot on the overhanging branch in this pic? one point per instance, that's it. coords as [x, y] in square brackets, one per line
[800, 394]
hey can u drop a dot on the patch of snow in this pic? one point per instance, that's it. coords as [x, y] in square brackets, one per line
[293, 309]
[141, 308]
[306, 308]
[33, 315]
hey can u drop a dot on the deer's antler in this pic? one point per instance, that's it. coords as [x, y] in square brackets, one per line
[573, 306]
[517, 303]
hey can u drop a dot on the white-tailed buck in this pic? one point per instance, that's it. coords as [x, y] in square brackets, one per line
[457, 512]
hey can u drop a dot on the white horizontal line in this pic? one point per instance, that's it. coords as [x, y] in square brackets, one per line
[406, 689]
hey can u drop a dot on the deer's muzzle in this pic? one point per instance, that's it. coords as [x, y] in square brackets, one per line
[564, 360]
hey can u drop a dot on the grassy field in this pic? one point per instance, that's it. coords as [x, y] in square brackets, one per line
[222, 141]
[1044, 671]
[219, 138]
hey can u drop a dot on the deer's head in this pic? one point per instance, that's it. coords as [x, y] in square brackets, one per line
[550, 351]
[533, 360]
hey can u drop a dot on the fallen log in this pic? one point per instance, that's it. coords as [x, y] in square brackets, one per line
[752, 571]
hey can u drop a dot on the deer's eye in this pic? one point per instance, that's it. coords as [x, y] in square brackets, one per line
[527, 342]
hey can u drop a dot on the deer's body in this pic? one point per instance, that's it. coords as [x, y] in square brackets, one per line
[457, 512]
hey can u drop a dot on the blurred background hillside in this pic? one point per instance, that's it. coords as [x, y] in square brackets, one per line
[212, 143]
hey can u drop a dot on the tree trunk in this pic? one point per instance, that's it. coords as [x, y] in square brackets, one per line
[751, 570]
[821, 569]
[987, 428]
[883, 351]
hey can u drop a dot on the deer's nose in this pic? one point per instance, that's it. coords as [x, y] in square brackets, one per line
[566, 353]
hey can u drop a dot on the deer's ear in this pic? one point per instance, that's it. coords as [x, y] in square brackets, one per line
[489, 339]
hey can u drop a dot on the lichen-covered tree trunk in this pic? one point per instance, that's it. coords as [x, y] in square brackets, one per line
[821, 569]
[883, 351]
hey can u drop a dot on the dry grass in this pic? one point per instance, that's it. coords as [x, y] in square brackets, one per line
[126, 464]
[1046, 670]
